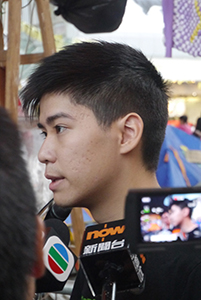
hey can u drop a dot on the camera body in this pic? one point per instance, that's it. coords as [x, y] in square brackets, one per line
[147, 230]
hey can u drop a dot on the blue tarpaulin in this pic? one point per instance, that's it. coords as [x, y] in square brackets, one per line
[174, 170]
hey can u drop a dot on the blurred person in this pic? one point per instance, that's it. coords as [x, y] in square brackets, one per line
[165, 233]
[184, 124]
[180, 217]
[197, 131]
[102, 109]
[165, 219]
[21, 241]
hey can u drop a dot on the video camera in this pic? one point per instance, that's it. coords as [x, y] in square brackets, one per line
[145, 231]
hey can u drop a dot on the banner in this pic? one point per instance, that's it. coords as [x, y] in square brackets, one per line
[182, 31]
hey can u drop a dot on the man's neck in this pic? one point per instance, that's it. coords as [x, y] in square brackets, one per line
[188, 225]
[112, 205]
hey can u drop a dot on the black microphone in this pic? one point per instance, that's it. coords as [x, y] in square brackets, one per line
[58, 258]
[107, 262]
[58, 212]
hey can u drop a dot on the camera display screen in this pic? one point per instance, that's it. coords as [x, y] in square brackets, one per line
[170, 217]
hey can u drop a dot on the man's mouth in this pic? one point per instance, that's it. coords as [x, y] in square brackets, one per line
[55, 182]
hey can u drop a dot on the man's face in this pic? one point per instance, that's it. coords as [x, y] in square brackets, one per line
[176, 215]
[81, 157]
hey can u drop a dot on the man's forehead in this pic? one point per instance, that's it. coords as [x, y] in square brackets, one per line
[50, 119]
[54, 106]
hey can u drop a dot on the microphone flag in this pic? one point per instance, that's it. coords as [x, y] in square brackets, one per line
[58, 258]
[105, 254]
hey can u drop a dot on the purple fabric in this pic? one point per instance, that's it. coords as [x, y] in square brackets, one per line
[186, 26]
[168, 6]
[182, 20]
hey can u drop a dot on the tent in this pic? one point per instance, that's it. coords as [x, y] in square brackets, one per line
[180, 159]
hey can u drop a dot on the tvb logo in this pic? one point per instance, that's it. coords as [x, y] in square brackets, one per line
[58, 258]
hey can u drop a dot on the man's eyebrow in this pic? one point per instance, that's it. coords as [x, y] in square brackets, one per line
[52, 118]
[40, 126]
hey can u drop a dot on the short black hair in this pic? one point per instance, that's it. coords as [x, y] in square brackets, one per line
[182, 204]
[111, 79]
[183, 118]
[18, 214]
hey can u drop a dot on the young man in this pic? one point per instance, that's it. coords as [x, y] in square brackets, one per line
[180, 216]
[102, 109]
[21, 242]
[103, 112]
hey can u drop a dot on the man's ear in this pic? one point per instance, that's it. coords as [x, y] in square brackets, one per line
[39, 267]
[186, 211]
[131, 127]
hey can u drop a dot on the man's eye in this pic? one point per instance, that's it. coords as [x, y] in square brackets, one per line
[60, 129]
[43, 134]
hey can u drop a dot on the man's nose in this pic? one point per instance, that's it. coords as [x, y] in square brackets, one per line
[47, 153]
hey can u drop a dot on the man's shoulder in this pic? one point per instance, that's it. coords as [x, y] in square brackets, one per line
[195, 234]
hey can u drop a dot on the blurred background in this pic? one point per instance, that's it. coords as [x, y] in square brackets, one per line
[168, 32]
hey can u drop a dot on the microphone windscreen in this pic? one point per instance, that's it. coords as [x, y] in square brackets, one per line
[58, 212]
[61, 229]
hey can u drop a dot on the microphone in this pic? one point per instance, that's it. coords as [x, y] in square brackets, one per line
[107, 262]
[58, 212]
[58, 258]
